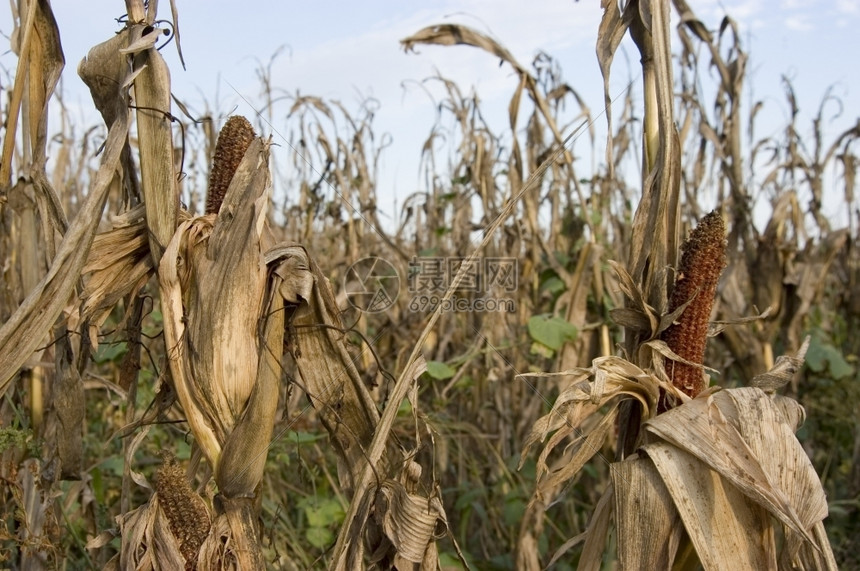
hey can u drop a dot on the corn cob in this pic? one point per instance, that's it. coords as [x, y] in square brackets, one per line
[233, 141]
[702, 261]
[185, 509]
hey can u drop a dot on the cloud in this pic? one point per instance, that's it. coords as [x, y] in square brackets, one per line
[798, 23]
[370, 62]
[847, 7]
[372, 58]
[741, 11]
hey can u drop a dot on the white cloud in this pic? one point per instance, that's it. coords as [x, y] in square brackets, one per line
[747, 14]
[371, 62]
[798, 23]
[374, 57]
[743, 11]
[847, 7]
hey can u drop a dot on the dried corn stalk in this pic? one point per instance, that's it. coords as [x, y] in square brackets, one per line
[725, 469]
[26, 328]
[224, 287]
[224, 329]
[222, 326]
[718, 480]
[154, 134]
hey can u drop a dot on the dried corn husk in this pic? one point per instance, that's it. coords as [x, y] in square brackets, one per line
[221, 318]
[724, 468]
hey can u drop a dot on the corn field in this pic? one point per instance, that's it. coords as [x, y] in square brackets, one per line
[213, 360]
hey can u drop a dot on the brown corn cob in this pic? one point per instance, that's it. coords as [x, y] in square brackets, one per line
[702, 261]
[185, 509]
[233, 140]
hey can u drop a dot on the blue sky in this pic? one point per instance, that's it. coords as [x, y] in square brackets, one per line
[350, 50]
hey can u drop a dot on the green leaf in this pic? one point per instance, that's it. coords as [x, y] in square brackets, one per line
[449, 561]
[303, 437]
[439, 370]
[561, 257]
[322, 512]
[97, 485]
[822, 356]
[468, 498]
[541, 350]
[113, 465]
[464, 382]
[319, 537]
[554, 285]
[513, 511]
[405, 407]
[551, 331]
[109, 352]
[13, 437]
[841, 369]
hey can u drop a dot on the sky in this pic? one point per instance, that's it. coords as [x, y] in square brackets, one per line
[348, 51]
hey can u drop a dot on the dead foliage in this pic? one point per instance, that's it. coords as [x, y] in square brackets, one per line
[196, 391]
